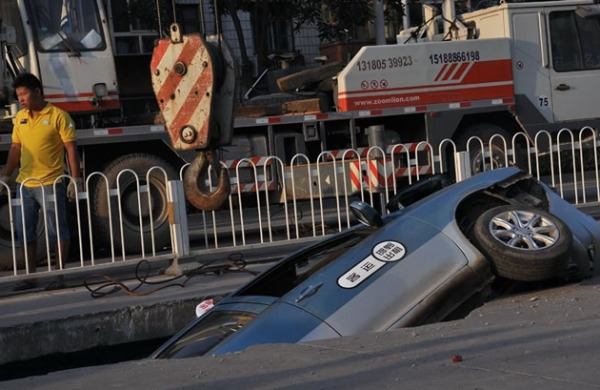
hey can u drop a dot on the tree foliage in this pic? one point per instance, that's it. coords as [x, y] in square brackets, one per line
[337, 20]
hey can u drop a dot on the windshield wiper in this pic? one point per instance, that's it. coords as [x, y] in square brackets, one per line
[73, 52]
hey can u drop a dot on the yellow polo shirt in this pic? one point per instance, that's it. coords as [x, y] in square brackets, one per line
[42, 141]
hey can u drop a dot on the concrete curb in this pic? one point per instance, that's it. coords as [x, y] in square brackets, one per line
[74, 277]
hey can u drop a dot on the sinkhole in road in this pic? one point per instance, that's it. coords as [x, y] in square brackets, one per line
[142, 349]
[92, 357]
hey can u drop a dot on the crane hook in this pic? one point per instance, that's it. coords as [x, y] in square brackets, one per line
[204, 200]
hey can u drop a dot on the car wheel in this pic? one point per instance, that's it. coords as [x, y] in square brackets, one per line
[523, 243]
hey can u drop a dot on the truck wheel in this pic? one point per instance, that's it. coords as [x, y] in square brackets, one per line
[523, 243]
[485, 131]
[140, 163]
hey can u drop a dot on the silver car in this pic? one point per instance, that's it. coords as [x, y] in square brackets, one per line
[436, 256]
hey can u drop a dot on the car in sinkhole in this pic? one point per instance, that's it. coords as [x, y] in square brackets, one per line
[443, 249]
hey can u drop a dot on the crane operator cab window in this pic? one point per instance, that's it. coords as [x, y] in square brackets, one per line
[69, 26]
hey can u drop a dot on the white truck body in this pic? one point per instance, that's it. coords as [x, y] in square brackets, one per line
[549, 89]
[418, 77]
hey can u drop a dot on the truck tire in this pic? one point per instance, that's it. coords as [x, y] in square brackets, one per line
[140, 163]
[523, 243]
[485, 131]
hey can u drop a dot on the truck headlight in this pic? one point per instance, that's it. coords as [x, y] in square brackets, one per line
[100, 90]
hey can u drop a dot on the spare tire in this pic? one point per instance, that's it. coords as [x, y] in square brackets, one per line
[140, 163]
[523, 243]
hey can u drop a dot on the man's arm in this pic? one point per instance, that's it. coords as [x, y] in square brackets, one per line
[14, 156]
[72, 159]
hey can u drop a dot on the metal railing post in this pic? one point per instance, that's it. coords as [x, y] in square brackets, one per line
[462, 161]
[178, 223]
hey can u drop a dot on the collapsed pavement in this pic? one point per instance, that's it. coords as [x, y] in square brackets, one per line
[547, 339]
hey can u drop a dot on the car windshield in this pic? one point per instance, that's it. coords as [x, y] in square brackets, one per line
[204, 335]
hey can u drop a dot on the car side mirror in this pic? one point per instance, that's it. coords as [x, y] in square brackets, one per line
[366, 214]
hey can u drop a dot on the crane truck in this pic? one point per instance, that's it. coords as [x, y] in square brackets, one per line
[502, 69]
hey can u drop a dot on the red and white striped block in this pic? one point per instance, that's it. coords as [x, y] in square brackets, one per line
[183, 80]
[377, 176]
[364, 152]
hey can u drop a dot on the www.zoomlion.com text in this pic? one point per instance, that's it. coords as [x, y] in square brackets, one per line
[388, 100]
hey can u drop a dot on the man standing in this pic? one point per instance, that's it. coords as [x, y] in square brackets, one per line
[41, 134]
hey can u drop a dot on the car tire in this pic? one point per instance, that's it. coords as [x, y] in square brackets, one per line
[523, 243]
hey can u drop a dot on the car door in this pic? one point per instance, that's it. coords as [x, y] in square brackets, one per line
[381, 279]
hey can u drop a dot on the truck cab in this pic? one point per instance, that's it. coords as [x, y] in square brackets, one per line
[555, 50]
[66, 43]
